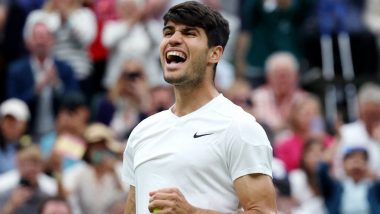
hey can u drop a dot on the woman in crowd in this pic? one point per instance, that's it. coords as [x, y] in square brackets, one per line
[128, 102]
[303, 181]
[97, 185]
[306, 122]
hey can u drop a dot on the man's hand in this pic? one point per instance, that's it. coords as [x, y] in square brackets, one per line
[169, 201]
[19, 196]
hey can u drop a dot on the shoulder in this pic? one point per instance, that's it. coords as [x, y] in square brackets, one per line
[149, 125]
[20, 64]
[83, 12]
[9, 180]
[297, 176]
[243, 125]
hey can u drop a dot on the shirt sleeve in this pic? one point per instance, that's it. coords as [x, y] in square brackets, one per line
[83, 22]
[128, 175]
[248, 150]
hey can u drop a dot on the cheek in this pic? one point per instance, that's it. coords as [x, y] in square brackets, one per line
[162, 48]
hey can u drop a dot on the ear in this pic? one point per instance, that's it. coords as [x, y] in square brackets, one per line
[215, 53]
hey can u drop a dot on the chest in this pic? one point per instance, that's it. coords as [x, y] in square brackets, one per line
[186, 149]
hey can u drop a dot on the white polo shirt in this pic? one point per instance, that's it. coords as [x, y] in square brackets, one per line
[201, 154]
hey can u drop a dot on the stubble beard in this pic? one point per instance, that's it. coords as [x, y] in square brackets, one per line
[191, 77]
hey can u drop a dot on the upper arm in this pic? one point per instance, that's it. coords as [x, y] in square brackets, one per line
[256, 193]
[130, 207]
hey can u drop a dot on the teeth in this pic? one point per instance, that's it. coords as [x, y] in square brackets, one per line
[175, 53]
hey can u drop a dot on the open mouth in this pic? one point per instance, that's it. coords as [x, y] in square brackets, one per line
[175, 57]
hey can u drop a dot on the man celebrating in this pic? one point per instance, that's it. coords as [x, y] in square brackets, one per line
[204, 154]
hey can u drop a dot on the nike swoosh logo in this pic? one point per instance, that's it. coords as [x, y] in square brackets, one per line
[201, 135]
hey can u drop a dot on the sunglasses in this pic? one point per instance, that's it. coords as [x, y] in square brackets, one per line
[131, 75]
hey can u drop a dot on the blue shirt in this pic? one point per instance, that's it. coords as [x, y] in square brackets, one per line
[8, 157]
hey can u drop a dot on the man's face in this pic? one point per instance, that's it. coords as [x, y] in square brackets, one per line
[131, 72]
[370, 115]
[355, 166]
[184, 54]
[282, 77]
[41, 41]
[30, 168]
[12, 128]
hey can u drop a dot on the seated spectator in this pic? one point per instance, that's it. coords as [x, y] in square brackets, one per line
[64, 147]
[305, 121]
[39, 79]
[14, 116]
[365, 131]
[28, 187]
[100, 176]
[136, 35]
[303, 181]
[354, 193]
[55, 205]
[74, 28]
[272, 102]
[128, 102]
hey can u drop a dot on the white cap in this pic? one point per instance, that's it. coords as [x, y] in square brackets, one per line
[16, 108]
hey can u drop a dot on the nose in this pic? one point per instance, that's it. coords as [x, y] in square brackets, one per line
[175, 38]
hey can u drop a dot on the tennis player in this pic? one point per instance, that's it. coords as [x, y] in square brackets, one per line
[204, 154]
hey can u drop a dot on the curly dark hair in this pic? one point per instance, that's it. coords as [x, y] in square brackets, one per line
[194, 14]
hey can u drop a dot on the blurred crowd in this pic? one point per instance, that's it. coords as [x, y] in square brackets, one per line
[76, 76]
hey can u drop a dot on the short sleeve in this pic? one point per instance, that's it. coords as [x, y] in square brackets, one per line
[128, 174]
[248, 149]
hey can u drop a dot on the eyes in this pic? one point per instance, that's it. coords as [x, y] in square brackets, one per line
[168, 32]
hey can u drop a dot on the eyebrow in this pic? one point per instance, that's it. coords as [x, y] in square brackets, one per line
[183, 29]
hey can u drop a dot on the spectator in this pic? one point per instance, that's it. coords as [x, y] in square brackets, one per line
[268, 26]
[128, 102]
[12, 178]
[55, 205]
[133, 35]
[303, 181]
[100, 176]
[306, 123]
[64, 147]
[74, 28]
[355, 193]
[39, 79]
[272, 102]
[364, 131]
[13, 124]
[28, 188]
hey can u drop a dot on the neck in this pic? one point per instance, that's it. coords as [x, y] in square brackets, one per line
[41, 59]
[191, 98]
